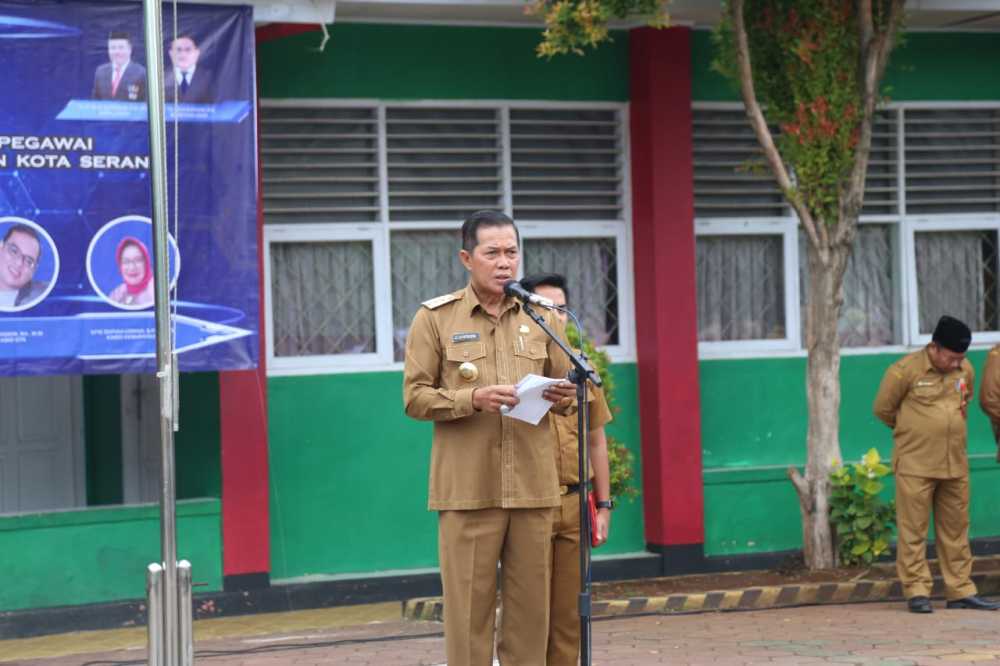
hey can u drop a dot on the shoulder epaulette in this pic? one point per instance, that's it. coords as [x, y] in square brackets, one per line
[438, 301]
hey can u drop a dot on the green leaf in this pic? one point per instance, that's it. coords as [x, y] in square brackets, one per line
[871, 458]
[863, 523]
[872, 487]
[859, 549]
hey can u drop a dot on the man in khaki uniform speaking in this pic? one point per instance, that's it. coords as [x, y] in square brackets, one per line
[564, 618]
[924, 398]
[493, 478]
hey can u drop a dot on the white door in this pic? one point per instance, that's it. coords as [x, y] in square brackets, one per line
[41, 443]
[140, 438]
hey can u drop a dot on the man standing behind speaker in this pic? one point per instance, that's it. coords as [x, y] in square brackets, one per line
[192, 82]
[120, 79]
[564, 619]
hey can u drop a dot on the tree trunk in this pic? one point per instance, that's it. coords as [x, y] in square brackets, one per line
[823, 395]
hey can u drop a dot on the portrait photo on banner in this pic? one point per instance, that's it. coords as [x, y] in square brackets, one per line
[29, 264]
[120, 263]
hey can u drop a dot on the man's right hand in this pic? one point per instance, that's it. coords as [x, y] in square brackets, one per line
[492, 398]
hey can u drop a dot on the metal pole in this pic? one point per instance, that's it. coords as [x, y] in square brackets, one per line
[583, 468]
[186, 631]
[154, 613]
[158, 178]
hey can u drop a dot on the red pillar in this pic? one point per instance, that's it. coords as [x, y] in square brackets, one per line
[666, 323]
[246, 535]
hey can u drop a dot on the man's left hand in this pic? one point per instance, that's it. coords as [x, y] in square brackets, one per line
[603, 526]
[560, 391]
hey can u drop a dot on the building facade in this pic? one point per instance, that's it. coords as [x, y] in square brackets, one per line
[624, 170]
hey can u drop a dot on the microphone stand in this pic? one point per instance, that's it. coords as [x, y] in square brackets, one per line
[579, 375]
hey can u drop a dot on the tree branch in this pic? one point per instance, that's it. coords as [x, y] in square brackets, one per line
[867, 25]
[801, 485]
[874, 55]
[760, 128]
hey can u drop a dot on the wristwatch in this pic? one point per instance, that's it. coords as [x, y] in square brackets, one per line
[608, 504]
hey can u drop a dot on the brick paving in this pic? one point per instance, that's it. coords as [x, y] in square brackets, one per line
[874, 633]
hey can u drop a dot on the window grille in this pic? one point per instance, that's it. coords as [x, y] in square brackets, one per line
[881, 183]
[443, 163]
[730, 176]
[740, 284]
[957, 276]
[590, 266]
[566, 164]
[867, 316]
[424, 265]
[323, 301]
[377, 191]
[952, 160]
[320, 164]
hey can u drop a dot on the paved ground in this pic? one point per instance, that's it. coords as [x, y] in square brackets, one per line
[876, 633]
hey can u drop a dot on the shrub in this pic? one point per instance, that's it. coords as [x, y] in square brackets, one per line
[619, 457]
[862, 520]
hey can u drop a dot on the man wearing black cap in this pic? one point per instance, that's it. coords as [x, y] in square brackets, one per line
[924, 398]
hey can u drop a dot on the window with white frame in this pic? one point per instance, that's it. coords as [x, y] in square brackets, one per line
[926, 243]
[363, 202]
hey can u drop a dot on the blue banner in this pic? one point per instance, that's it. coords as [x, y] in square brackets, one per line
[76, 253]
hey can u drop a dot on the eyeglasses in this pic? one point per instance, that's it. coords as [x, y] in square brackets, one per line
[16, 255]
[133, 263]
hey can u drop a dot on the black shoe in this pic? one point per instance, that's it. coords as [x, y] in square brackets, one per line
[920, 605]
[974, 603]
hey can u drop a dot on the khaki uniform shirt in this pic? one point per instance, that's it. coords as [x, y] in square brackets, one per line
[481, 459]
[989, 392]
[565, 428]
[921, 405]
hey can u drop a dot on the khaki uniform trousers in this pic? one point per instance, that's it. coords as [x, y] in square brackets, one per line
[915, 497]
[470, 543]
[564, 614]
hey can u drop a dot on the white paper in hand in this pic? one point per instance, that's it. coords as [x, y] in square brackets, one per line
[532, 406]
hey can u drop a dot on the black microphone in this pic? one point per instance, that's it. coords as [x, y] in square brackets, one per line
[515, 290]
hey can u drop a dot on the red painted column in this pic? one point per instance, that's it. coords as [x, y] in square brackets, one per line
[246, 536]
[666, 323]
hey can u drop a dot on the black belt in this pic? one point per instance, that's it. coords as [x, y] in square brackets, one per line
[569, 489]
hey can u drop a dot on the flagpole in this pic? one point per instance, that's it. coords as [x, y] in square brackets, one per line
[153, 29]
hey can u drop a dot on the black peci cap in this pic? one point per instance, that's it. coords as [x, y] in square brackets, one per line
[120, 34]
[952, 334]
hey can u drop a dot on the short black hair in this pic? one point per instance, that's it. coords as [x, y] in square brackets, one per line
[484, 218]
[24, 229]
[119, 34]
[185, 35]
[533, 282]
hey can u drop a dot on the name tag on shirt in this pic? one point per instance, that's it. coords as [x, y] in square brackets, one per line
[465, 337]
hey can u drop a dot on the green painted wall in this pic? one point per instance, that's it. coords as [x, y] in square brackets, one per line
[953, 66]
[110, 549]
[437, 62]
[349, 483]
[754, 423]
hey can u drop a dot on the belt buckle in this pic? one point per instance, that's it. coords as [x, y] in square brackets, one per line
[563, 490]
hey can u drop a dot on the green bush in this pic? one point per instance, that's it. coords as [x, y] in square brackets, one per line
[619, 457]
[862, 520]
